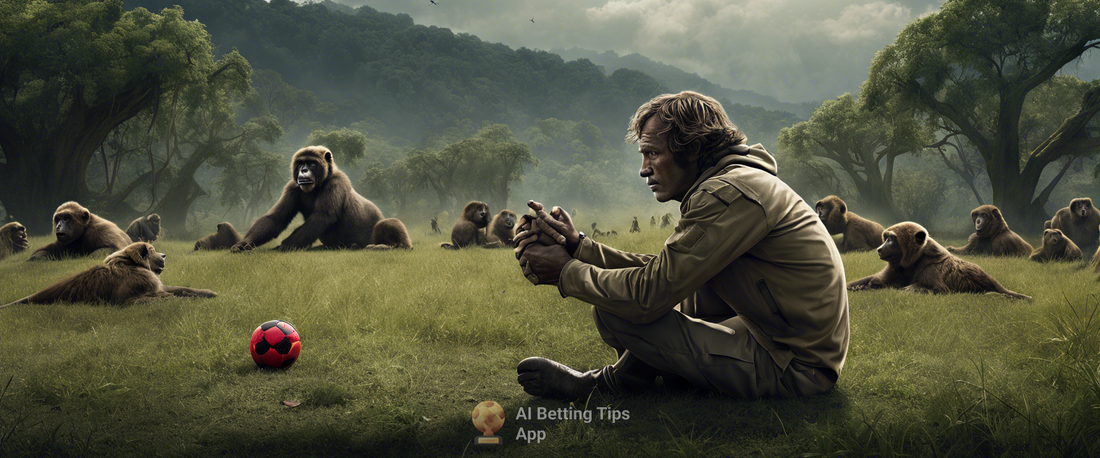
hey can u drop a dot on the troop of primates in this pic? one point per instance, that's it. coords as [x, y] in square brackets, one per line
[128, 275]
[13, 239]
[1056, 247]
[992, 236]
[339, 217]
[334, 213]
[223, 239]
[80, 232]
[915, 262]
[144, 229]
[860, 234]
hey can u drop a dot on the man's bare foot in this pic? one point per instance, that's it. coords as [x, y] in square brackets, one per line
[547, 379]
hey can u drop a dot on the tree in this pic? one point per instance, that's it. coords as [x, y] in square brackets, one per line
[973, 64]
[74, 71]
[864, 143]
[250, 180]
[347, 145]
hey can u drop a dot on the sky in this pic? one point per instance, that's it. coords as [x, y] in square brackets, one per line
[793, 50]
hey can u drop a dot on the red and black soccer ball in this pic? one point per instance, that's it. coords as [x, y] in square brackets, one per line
[275, 344]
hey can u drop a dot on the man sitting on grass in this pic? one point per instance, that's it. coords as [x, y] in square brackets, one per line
[747, 297]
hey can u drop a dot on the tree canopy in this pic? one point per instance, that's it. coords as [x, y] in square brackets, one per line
[972, 64]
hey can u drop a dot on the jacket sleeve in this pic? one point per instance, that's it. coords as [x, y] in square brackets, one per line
[715, 230]
[600, 255]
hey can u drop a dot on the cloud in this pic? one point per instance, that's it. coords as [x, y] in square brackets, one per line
[869, 21]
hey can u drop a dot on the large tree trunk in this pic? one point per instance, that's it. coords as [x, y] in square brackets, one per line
[44, 171]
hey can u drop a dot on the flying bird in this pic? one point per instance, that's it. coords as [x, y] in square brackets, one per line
[532, 20]
[433, 2]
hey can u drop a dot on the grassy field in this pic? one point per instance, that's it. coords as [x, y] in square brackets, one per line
[398, 348]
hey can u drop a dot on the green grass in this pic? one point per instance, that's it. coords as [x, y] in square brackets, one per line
[398, 348]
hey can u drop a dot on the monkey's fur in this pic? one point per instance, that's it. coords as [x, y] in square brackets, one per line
[144, 229]
[915, 262]
[13, 239]
[80, 232]
[333, 211]
[992, 236]
[388, 234]
[502, 229]
[860, 234]
[1080, 221]
[469, 230]
[1056, 247]
[226, 237]
[128, 275]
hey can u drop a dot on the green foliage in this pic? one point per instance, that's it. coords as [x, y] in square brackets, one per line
[347, 145]
[971, 66]
[73, 72]
[863, 142]
[919, 195]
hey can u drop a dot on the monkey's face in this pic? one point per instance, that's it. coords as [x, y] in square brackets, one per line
[822, 212]
[509, 220]
[1081, 207]
[890, 250]
[140, 254]
[1053, 237]
[310, 172]
[68, 226]
[18, 237]
[477, 213]
[154, 223]
[983, 221]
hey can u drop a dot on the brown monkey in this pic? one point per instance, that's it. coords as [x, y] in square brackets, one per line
[226, 237]
[915, 262]
[634, 226]
[666, 220]
[503, 228]
[333, 211]
[126, 276]
[1056, 247]
[860, 234]
[80, 232]
[992, 236]
[144, 229]
[652, 222]
[435, 226]
[13, 239]
[1080, 221]
[470, 228]
[388, 234]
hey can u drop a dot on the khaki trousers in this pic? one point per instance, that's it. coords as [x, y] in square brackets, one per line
[716, 354]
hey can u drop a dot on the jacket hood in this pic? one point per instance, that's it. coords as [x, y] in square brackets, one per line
[752, 156]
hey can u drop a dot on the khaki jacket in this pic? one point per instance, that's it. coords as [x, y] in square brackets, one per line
[746, 245]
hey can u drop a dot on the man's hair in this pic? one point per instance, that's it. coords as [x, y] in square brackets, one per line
[694, 123]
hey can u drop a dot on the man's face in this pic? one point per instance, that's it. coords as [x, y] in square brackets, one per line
[665, 178]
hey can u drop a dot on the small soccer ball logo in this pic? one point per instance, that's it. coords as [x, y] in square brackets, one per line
[275, 344]
[488, 417]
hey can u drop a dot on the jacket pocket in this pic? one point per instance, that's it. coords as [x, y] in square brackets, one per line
[684, 241]
[762, 286]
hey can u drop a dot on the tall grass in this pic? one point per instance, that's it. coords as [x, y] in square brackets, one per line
[398, 347]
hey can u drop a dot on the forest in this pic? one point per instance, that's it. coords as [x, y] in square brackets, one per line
[191, 108]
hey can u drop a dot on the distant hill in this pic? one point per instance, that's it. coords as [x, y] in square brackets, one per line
[677, 80]
[412, 78]
[337, 7]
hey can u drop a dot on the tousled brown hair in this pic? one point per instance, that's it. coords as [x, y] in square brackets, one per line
[694, 123]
